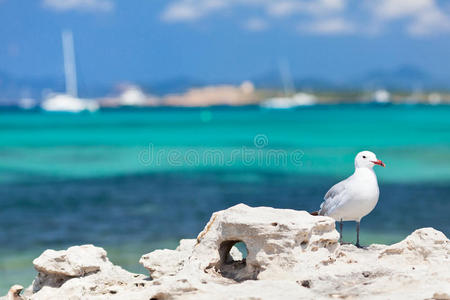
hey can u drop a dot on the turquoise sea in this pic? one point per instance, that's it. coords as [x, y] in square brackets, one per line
[134, 180]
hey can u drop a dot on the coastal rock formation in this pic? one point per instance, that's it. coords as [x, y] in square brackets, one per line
[278, 242]
[73, 262]
[169, 262]
[14, 292]
[80, 272]
[287, 254]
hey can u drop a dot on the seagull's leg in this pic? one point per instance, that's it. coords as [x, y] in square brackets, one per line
[340, 231]
[357, 235]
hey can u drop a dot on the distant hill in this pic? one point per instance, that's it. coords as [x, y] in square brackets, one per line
[272, 80]
[407, 78]
[402, 78]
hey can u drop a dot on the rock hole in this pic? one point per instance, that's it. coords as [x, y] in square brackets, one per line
[274, 224]
[233, 261]
[229, 255]
[242, 249]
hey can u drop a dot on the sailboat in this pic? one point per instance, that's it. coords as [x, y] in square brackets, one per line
[69, 102]
[290, 98]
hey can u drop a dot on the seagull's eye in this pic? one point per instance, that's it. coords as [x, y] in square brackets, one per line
[364, 156]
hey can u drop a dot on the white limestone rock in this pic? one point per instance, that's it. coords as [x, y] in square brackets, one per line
[75, 261]
[169, 262]
[80, 272]
[277, 242]
[423, 245]
[14, 293]
[163, 262]
[291, 255]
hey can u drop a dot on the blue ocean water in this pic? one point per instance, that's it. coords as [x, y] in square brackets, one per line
[135, 180]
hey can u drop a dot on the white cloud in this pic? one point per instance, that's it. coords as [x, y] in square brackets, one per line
[282, 8]
[79, 5]
[398, 8]
[325, 14]
[191, 10]
[331, 26]
[181, 12]
[364, 17]
[256, 24]
[327, 6]
[424, 17]
[430, 22]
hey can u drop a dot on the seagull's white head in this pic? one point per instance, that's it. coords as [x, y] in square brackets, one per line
[367, 159]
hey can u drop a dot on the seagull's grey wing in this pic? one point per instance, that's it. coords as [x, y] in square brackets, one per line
[332, 198]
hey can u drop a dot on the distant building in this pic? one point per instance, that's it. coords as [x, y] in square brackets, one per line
[130, 95]
[214, 95]
[435, 98]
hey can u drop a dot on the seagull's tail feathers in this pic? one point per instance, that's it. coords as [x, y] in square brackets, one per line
[314, 213]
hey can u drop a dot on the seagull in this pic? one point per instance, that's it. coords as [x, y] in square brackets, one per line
[355, 197]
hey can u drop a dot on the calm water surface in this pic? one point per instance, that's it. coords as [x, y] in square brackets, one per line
[132, 181]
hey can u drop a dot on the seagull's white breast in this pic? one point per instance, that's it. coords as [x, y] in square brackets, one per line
[356, 199]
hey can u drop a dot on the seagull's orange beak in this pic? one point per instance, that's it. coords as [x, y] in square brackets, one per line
[379, 162]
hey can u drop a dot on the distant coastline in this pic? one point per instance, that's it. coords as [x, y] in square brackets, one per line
[405, 84]
[245, 94]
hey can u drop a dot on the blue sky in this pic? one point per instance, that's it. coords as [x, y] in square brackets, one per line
[221, 40]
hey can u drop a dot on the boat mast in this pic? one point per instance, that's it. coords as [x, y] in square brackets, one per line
[286, 77]
[69, 63]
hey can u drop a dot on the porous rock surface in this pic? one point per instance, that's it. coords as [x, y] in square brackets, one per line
[290, 255]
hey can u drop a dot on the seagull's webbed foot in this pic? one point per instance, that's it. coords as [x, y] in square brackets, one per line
[360, 247]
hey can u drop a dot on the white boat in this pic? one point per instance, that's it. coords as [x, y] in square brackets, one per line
[287, 102]
[299, 99]
[69, 102]
[381, 96]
